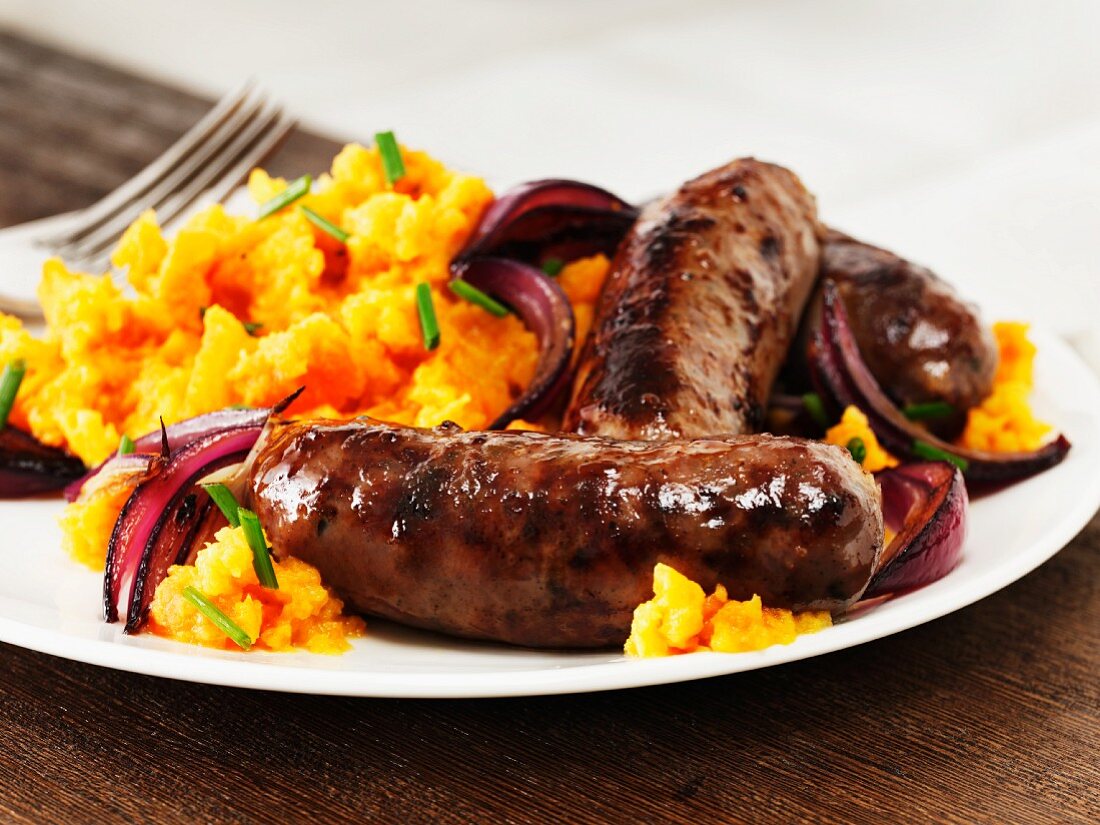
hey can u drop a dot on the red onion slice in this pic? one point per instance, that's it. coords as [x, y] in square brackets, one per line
[130, 469]
[544, 309]
[186, 431]
[28, 467]
[925, 504]
[560, 218]
[159, 518]
[842, 376]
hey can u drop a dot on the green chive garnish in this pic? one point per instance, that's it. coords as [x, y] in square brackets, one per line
[202, 313]
[928, 411]
[326, 226]
[226, 501]
[429, 326]
[125, 445]
[858, 449]
[10, 380]
[225, 624]
[816, 408]
[926, 450]
[252, 327]
[475, 296]
[294, 190]
[261, 556]
[392, 164]
[553, 266]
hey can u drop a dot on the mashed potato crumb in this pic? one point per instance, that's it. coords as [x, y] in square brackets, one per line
[1004, 422]
[302, 613]
[853, 424]
[681, 619]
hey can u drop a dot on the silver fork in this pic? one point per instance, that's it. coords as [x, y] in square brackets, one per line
[213, 156]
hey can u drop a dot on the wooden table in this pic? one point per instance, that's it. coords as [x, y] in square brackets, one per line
[991, 714]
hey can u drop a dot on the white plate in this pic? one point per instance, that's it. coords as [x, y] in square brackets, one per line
[49, 604]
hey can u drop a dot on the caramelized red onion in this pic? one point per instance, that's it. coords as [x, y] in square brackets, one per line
[544, 309]
[28, 467]
[161, 518]
[550, 218]
[186, 431]
[124, 469]
[925, 505]
[843, 377]
[530, 224]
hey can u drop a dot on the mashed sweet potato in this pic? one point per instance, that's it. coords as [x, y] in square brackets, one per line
[338, 318]
[682, 619]
[302, 613]
[1004, 422]
[853, 424]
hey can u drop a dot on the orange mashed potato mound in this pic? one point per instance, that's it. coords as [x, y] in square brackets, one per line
[302, 613]
[1004, 422]
[339, 319]
[682, 619]
[853, 424]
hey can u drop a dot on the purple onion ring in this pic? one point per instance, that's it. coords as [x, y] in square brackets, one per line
[186, 431]
[553, 217]
[159, 518]
[925, 504]
[28, 467]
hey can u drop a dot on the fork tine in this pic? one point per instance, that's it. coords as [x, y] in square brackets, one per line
[108, 205]
[213, 173]
[250, 148]
[266, 146]
[240, 121]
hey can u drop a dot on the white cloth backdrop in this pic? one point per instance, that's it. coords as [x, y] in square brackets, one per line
[963, 133]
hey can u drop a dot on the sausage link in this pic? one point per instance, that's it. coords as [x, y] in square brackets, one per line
[699, 309]
[920, 340]
[550, 540]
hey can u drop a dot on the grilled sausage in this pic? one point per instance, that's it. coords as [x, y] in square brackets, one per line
[699, 309]
[550, 540]
[920, 340]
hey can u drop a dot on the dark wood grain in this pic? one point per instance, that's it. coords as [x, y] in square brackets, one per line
[991, 714]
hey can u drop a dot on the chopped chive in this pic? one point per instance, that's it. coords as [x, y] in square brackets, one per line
[858, 449]
[475, 296]
[816, 408]
[926, 450]
[10, 380]
[240, 407]
[293, 191]
[928, 411]
[553, 266]
[226, 501]
[252, 327]
[202, 313]
[392, 164]
[125, 445]
[225, 624]
[429, 326]
[261, 556]
[326, 226]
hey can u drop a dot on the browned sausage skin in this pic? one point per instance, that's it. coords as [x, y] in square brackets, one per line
[550, 540]
[920, 340]
[699, 309]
